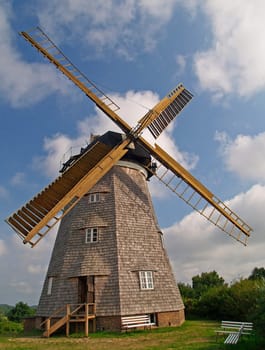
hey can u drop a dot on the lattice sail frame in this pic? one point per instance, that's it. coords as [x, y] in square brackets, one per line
[43, 214]
[196, 201]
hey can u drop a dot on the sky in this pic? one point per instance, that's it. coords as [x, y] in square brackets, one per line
[137, 51]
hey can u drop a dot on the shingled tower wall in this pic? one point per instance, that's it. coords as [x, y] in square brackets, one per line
[129, 241]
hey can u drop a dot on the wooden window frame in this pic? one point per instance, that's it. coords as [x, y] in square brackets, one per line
[146, 280]
[94, 197]
[92, 235]
[49, 287]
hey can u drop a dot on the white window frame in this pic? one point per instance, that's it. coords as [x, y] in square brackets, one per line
[146, 280]
[92, 235]
[94, 197]
[49, 288]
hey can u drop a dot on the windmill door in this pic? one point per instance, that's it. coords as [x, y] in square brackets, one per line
[86, 289]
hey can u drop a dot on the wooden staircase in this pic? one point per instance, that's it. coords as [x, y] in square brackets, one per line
[78, 313]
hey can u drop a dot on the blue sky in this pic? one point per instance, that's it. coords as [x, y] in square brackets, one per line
[137, 51]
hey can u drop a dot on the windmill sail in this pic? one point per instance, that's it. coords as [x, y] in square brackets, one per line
[193, 193]
[37, 217]
[159, 117]
[46, 46]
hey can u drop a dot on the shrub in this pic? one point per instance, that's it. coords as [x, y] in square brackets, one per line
[20, 311]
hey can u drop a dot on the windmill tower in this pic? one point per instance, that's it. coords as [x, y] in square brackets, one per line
[108, 259]
[109, 251]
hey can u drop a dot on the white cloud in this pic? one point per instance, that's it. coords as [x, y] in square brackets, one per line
[244, 155]
[181, 64]
[3, 192]
[195, 245]
[23, 286]
[23, 278]
[124, 27]
[235, 60]
[55, 148]
[18, 78]
[3, 248]
[157, 9]
[18, 179]
[36, 269]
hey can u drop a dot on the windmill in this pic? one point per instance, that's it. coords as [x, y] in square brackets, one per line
[109, 252]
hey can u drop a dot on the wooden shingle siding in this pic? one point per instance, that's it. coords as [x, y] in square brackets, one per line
[129, 241]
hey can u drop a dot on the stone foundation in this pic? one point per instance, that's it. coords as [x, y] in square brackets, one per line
[108, 323]
[111, 323]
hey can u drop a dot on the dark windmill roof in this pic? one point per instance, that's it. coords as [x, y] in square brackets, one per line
[136, 153]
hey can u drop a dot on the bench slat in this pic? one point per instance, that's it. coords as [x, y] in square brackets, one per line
[135, 321]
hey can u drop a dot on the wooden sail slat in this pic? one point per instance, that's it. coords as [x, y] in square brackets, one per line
[22, 222]
[17, 227]
[34, 210]
[26, 218]
[30, 214]
[39, 207]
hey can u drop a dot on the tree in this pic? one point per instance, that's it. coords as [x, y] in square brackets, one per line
[258, 273]
[20, 311]
[245, 294]
[186, 290]
[214, 303]
[258, 314]
[188, 297]
[201, 283]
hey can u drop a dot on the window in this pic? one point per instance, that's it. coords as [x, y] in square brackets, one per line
[146, 279]
[49, 289]
[91, 235]
[93, 197]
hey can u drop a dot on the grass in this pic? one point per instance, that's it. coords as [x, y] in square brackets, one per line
[192, 335]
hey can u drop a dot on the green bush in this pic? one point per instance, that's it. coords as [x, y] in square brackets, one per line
[10, 327]
[20, 311]
[211, 298]
[258, 312]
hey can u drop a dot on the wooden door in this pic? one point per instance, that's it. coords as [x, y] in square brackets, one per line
[82, 290]
[91, 289]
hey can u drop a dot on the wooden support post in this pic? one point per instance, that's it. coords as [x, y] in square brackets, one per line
[94, 319]
[86, 320]
[48, 326]
[68, 311]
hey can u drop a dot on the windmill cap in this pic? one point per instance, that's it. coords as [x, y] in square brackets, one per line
[136, 152]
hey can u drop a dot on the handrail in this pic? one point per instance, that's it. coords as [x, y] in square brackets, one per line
[53, 315]
[71, 313]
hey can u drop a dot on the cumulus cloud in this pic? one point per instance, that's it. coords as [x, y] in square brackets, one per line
[19, 78]
[18, 179]
[23, 286]
[124, 27]
[195, 245]
[3, 192]
[24, 276]
[235, 60]
[244, 155]
[36, 269]
[133, 105]
[181, 64]
[3, 248]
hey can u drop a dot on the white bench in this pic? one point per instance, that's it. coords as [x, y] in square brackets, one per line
[233, 338]
[234, 330]
[136, 321]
